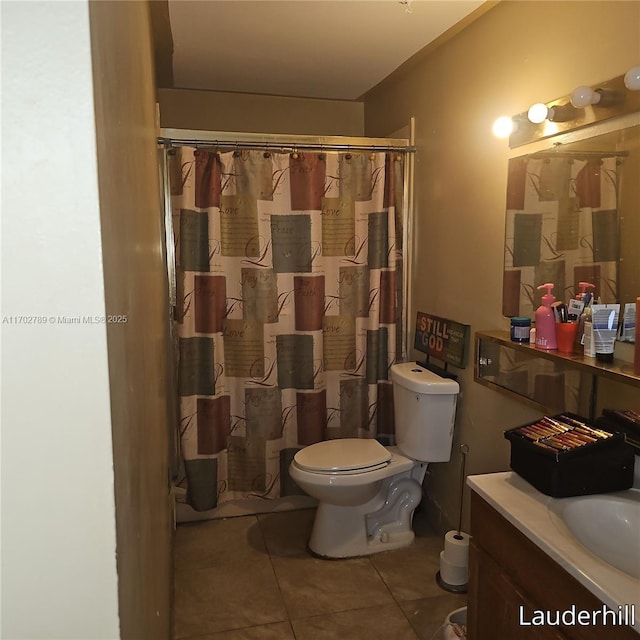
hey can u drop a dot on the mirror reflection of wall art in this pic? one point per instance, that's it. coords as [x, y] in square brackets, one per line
[561, 227]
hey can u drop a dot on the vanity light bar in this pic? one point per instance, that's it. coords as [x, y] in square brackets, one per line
[585, 106]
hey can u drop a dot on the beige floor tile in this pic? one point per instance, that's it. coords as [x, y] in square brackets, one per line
[410, 573]
[244, 578]
[373, 623]
[227, 597]
[311, 586]
[211, 543]
[277, 631]
[287, 533]
[426, 616]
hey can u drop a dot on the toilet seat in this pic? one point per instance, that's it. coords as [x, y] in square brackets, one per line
[343, 456]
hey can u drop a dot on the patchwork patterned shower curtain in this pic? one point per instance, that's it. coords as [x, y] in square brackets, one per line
[289, 277]
[562, 227]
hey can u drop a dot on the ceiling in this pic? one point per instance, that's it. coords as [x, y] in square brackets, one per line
[334, 49]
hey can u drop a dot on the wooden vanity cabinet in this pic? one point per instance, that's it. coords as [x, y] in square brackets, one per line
[507, 571]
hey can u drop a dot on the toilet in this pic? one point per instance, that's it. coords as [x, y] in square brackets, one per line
[366, 492]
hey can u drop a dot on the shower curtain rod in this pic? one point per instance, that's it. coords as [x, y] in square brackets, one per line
[230, 141]
[288, 147]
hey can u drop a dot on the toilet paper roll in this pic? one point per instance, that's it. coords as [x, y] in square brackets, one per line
[451, 573]
[456, 547]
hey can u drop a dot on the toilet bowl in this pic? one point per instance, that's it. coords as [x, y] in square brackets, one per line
[359, 511]
[366, 492]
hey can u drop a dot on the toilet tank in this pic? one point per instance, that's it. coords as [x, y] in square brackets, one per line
[425, 411]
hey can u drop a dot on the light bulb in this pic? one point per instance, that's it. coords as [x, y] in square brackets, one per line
[537, 113]
[582, 97]
[503, 127]
[632, 79]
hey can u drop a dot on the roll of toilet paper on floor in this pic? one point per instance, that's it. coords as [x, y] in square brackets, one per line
[451, 573]
[456, 547]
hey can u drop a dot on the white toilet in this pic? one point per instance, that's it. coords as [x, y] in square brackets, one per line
[367, 493]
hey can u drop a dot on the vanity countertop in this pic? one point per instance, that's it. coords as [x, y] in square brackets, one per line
[531, 512]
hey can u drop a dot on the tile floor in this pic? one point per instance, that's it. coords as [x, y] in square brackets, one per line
[251, 578]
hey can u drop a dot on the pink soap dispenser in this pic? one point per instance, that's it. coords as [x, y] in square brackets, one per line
[545, 320]
[583, 289]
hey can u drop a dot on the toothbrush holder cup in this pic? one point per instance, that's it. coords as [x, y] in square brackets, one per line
[566, 335]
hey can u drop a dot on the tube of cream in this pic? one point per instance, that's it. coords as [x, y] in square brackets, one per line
[605, 328]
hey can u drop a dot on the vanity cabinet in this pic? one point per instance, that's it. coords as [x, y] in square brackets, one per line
[507, 571]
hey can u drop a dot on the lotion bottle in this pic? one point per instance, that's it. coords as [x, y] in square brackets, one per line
[585, 316]
[587, 336]
[545, 321]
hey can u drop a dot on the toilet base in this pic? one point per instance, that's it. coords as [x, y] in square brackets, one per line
[382, 524]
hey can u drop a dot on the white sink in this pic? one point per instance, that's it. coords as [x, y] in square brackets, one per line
[608, 525]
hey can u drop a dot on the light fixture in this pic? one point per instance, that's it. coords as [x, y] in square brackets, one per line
[537, 113]
[586, 105]
[562, 113]
[632, 79]
[584, 96]
[503, 127]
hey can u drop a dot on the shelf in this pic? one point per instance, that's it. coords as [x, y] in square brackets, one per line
[546, 380]
[618, 370]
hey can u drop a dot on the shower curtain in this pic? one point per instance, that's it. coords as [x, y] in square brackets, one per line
[562, 227]
[289, 309]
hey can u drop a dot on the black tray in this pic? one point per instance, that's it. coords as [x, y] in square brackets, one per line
[624, 421]
[598, 467]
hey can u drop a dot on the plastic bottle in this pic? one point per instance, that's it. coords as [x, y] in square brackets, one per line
[636, 357]
[585, 316]
[587, 336]
[583, 289]
[545, 320]
[577, 305]
[520, 329]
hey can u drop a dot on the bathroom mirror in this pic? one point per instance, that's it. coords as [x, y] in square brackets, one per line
[573, 214]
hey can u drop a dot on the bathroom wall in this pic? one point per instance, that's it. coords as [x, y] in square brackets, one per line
[83, 555]
[142, 393]
[59, 579]
[224, 111]
[515, 54]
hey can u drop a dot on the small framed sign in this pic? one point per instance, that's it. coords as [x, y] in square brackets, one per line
[442, 338]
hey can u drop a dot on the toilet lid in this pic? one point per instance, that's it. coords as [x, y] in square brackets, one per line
[344, 455]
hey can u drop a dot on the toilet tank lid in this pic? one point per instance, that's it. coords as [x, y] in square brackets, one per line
[342, 454]
[416, 378]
